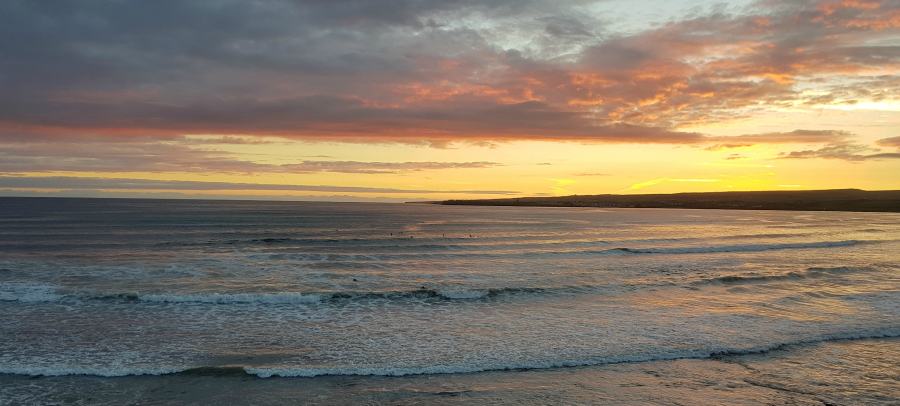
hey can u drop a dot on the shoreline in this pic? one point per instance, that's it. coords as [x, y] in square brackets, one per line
[235, 369]
[850, 200]
[850, 371]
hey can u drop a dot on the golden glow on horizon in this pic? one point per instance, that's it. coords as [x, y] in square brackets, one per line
[658, 181]
[527, 168]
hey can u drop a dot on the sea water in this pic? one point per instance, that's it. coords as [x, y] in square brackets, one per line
[111, 301]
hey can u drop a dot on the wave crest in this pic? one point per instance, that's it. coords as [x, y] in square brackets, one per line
[739, 247]
[225, 298]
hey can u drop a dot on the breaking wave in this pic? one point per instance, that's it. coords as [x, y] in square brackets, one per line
[739, 247]
[38, 293]
[809, 273]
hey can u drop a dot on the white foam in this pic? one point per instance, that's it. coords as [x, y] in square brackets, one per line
[220, 298]
[95, 371]
[29, 292]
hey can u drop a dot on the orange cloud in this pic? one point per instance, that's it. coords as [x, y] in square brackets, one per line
[868, 15]
[780, 78]
[831, 6]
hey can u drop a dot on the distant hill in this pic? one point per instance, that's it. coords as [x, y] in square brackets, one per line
[812, 200]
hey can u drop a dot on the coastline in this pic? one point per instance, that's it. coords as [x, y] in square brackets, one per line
[852, 200]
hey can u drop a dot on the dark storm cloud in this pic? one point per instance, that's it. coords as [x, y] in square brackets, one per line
[58, 45]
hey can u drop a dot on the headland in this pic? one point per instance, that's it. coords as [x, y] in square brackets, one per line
[804, 200]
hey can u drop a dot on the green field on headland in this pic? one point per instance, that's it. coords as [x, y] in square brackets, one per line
[813, 200]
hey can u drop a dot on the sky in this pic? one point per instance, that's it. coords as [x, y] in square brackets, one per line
[403, 100]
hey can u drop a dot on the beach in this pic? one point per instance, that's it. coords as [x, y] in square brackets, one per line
[117, 301]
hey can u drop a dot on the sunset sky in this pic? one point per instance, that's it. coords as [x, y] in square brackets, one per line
[399, 100]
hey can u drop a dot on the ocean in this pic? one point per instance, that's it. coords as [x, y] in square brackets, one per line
[118, 301]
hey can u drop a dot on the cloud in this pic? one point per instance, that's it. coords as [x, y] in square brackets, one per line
[856, 91]
[84, 193]
[85, 183]
[428, 72]
[792, 137]
[353, 120]
[100, 156]
[719, 147]
[228, 140]
[893, 142]
[378, 167]
[133, 156]
[845, 151]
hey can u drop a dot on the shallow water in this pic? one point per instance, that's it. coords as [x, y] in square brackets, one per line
[109, 288]
[856, 372]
